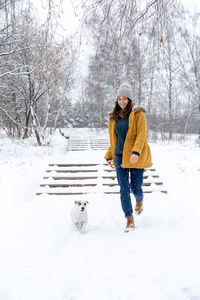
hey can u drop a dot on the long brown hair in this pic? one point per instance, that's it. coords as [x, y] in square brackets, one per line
[120, 113]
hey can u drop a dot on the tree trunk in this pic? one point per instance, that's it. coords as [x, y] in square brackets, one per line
[25, 136]
[199, 124]
[37, 137]
[170, 91]
[151, 88]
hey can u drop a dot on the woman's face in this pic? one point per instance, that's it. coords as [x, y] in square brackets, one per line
[122, 101]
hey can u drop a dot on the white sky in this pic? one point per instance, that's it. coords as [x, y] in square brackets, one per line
[191, 5]
[70, 22]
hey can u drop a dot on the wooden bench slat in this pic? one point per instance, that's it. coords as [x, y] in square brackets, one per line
[65, 185]
[72, 171]
[71, 178]
[73, 165]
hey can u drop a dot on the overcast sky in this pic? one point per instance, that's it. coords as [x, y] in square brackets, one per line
[192, 5]
[70, 22]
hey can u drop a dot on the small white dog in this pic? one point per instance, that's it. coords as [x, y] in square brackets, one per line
[79, 215]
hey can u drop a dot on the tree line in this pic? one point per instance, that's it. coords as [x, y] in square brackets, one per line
[36, 72]
[157, 50]
[155, 47]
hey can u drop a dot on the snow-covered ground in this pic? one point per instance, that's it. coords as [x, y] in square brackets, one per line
[43, 258]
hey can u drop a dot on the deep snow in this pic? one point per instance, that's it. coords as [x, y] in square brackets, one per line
[42, 257]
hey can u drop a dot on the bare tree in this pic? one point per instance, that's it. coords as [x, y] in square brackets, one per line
[188, 55]
[35, 73]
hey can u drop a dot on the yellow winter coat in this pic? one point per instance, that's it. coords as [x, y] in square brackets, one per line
[136, 140]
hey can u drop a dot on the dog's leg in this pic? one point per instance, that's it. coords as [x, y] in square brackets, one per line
[77, 225]
[83, 227]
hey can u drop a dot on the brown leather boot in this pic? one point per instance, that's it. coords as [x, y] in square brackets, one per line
[139, 207]
[130, 224]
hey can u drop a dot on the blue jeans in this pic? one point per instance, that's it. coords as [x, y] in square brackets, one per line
[135, 185]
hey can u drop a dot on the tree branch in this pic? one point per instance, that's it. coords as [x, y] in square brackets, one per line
[13, 51]
[20, 73]
[13, 119]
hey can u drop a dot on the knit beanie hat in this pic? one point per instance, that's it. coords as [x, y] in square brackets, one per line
[125, 90]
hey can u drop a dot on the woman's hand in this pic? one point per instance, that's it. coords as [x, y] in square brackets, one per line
[111, 163]
[133, 159]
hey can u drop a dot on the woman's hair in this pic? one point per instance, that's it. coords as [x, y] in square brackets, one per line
[121, 113]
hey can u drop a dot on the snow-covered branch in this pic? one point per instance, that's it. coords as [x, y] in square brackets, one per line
[13, 51]
[15, 122]
[20, 73]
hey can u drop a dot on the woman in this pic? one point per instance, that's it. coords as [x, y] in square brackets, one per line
[128, 151]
